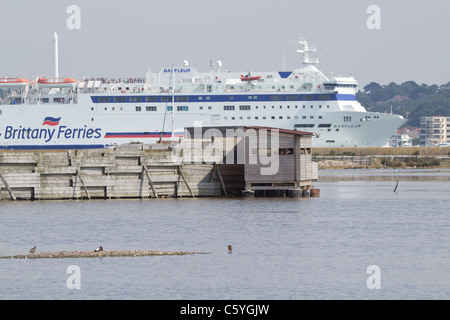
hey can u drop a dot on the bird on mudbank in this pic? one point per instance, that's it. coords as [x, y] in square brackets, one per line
[33, 250]
[99, 249]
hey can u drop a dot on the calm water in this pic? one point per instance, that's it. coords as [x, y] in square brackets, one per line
[317, 248]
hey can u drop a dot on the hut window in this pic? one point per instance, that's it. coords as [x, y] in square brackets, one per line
[286, 151]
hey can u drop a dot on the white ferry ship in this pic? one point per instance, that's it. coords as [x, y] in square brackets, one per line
[65, 113]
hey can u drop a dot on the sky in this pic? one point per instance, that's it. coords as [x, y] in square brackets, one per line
[403, 40]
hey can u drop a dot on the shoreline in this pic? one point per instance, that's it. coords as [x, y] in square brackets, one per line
[375, 163]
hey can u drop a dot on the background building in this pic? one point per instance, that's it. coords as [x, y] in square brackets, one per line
[434, 131]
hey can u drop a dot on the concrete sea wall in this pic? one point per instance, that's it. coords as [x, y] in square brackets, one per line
[127, 172]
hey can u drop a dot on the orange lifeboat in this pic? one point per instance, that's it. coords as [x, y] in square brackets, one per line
[56, 82]
[249, 78]
[13, 82]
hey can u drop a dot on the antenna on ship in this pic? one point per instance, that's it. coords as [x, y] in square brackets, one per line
[55, 55]
[306, 50]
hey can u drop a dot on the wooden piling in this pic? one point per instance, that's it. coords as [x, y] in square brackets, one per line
[82, 182]
[7, 187]
[150, 181]
[221, 179]
[184, 179]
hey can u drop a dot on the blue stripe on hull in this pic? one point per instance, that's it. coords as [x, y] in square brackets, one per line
[225, 98]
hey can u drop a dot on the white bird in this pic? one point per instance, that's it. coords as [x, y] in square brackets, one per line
[99, 249]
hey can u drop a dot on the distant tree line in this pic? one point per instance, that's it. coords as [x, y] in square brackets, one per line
[408, 99]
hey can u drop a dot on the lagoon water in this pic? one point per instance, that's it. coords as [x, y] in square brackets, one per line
[283, 248]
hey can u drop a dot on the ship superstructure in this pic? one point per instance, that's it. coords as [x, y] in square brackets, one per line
[99, 112]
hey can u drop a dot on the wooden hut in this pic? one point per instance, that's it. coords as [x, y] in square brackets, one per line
[258, 159]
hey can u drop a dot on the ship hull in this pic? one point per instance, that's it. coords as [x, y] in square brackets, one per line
[98, 125]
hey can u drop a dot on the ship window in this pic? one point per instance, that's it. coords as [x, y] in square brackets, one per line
[150, 99]
[166, 99]
[209, 107]
[280, 117]
[311, 117]
[201, 108]
[182, 108]
[103, 99]
[119, 99]
[273, 117]
[240, 118]
[135, 99]
[244, 107]
[320, 117]
[264, 117]
[150, 108]
[138, 108]
[169, 108]
[228, 108]
[233, 118]
[182, 98]
[288, 117]
[256, 118]
[44, 100]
